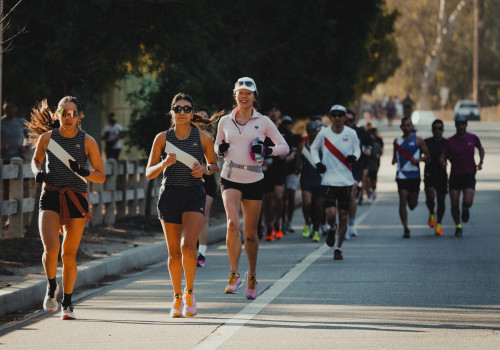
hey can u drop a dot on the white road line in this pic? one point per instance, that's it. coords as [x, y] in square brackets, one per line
[229, 328]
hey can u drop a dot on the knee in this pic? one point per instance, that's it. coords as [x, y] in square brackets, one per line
[68, 257]
[412, 205]
[233, 225]
[174, 256]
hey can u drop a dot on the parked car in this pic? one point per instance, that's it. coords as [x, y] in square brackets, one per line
[422, 117]
[467, 108]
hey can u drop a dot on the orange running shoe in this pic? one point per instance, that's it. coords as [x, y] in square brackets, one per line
[439, 229]
[269, 235]
[278, 234]
[432, 220]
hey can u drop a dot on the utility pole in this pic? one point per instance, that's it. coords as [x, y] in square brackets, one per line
[475, 54]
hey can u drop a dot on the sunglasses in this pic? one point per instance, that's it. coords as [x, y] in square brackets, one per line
[438, 128]
[179, 109]
[245, 82]
[69, 113]
[337, 115]
[349, 121]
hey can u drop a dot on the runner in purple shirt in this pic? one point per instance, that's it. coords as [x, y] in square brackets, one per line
[460, 149]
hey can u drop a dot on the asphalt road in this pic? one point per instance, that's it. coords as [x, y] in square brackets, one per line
[388, 292]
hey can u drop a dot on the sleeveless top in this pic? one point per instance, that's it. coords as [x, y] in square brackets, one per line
[406, 170]
[58, 174]
[179, 174]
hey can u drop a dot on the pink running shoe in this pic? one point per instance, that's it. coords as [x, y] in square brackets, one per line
[234, 283]
[190, 308]
[177, 306]
[251, 290]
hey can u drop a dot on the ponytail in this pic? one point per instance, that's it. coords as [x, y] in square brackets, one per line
[42, 120]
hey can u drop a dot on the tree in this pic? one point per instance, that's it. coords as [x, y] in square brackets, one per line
[445, 26]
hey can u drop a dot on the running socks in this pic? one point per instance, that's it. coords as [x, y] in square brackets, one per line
[66, 301]
[202, 249]
[351, 222]
[52, 283]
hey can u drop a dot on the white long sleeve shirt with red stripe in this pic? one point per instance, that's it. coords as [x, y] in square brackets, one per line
[338, 173]
[239, 137]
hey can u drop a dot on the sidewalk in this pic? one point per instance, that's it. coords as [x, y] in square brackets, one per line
[27, 293]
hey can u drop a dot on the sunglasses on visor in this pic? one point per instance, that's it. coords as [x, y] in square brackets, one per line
[69, 113]
[245, 82]
[179, 109]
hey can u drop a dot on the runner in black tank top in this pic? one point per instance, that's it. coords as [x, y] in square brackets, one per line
[182, 154]
[63, 202]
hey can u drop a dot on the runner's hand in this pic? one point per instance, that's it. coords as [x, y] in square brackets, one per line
[320, 168]
[223, 147]
[77, 169]
[350, 159]
[40, 176]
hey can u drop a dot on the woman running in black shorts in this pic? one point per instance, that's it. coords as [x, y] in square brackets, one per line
[65, 149]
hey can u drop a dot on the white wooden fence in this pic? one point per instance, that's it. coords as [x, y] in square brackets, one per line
[122, 194]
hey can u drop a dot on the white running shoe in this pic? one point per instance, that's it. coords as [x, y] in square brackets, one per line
[352, 231]
[67, 312]
[50, 302]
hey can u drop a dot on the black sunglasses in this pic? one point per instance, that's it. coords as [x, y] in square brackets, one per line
[245, 82]
[337, 115]
[439, 128]
[179, 109]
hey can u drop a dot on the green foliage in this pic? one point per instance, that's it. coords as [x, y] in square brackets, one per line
[304, 56]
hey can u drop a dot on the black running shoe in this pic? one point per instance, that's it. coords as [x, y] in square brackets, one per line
[337, 255]
[406, 234]
[330, 236]
[458, 232]
[200, 262]
[465, 214]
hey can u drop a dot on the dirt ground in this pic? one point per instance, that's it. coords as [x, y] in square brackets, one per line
[20, 258]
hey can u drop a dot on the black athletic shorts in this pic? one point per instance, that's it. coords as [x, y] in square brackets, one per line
[439, 181]
[49, 200]
[275, 175]
[176, 200]
[210, 185]
[334, 194]
[251, 190]
[462, 181]
[410, 185]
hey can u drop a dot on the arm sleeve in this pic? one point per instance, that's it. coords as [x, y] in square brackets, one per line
[220, 136]
[356, 151]
[318, 141]
[281, 148]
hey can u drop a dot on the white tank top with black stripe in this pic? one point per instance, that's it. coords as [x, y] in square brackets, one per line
[58, 174]
[179, 174]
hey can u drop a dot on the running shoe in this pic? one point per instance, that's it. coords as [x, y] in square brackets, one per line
[269, 235]
[432, 220]
[305, 231]
[190, 308]
[352, 231]
[278, 234]
[67, 312]
[337, 255]
[439, 229]
[288, 228]
[251, 290]
[200, 262]
[315, 237]
[50, 301]
[234, 283]
[465, 214]
[406, 234]
[369, 200]
[330, 236]
[458, 232]
[177, 306]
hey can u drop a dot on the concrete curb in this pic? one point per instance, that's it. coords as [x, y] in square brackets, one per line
[25, 294]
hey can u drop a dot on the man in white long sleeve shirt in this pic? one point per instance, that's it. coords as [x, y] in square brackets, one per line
[340, 148]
